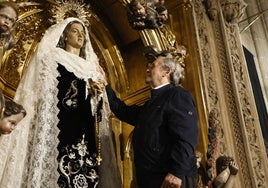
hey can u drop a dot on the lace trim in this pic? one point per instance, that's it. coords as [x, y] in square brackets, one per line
[37, 135]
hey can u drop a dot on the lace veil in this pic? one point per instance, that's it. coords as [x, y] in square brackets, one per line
[28, 155]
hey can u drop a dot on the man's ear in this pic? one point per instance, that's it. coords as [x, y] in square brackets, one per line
[167, 71]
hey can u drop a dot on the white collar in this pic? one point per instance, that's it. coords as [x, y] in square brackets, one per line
[161, 86]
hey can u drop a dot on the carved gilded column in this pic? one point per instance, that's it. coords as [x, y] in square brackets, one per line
[233, 118]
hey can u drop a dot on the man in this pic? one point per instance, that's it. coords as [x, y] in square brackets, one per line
[8, 18]
[166, 129]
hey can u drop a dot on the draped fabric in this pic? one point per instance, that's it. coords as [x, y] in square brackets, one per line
[29, 155]
[78, 165]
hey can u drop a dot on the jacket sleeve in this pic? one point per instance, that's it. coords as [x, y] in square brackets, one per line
[123, 112]
[183, 130]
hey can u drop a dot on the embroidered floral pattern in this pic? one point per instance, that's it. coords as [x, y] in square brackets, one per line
[70, 99]
[80, 181]
[78, 167]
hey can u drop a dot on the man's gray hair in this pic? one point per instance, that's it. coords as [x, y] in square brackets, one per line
[176, 70]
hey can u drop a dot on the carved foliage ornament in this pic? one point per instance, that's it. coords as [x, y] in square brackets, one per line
[211, 8]
[232, 9]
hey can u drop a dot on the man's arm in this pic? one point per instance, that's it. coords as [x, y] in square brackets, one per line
[125, 113]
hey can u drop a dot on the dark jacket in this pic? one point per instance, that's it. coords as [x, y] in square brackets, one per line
[166, 130]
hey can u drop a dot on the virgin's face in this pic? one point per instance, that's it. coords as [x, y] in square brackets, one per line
[8, 124]
[76, 36]
[8, 18]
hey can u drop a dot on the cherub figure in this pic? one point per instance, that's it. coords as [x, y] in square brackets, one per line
[8, 18]
[142, 14]
[136, 13]
[12, 113]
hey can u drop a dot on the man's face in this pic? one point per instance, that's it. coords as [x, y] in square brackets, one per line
[8, 124]
[8, 18]
[155, 72]
[76, 36]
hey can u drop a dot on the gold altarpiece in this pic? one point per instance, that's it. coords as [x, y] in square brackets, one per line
[215, 73]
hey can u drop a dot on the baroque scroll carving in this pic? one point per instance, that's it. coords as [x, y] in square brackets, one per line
[235, 80]
[216, 146]
[249, 119]
[232, 12]
[230, 95]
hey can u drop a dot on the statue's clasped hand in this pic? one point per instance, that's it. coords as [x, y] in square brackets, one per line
[96, 87]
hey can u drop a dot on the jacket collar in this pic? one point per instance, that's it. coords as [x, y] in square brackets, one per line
[160, 91]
